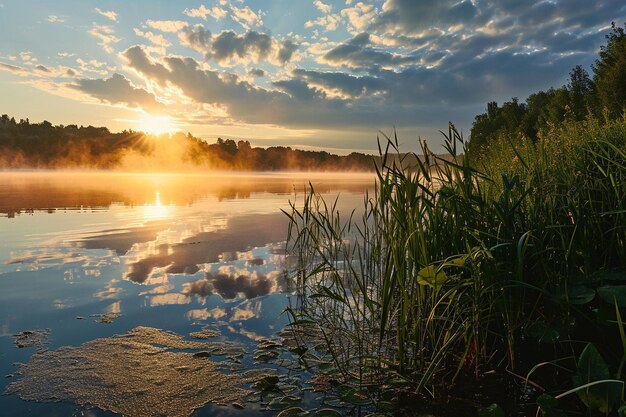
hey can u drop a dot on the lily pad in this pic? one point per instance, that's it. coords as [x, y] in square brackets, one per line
[613, 293]
[592, 368]
[580, 294]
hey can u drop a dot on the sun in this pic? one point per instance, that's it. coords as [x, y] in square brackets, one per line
[156, 124]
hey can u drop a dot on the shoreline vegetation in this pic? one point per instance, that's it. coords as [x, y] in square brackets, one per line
[490, 283]
[25, 145]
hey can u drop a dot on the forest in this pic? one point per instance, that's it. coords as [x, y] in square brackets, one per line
[44, 146]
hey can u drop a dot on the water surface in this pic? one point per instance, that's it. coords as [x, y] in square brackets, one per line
[174, 252]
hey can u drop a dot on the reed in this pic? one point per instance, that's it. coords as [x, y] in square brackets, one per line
[454, 265]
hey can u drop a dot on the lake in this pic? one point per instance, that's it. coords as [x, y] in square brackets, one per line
[89, 255]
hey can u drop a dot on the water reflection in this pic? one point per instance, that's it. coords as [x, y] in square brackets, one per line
[168, 252]
[158, 194]
[157, 210]
[231, 283]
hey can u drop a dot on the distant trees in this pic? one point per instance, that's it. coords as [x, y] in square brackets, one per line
[604, 95]
[42, 145]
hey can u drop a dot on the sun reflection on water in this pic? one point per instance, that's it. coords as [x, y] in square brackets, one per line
[157, 211]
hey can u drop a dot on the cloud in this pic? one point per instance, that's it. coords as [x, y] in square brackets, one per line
[111, 15]
[167, 25]
[299, 89]
[229, 48]
[155, 39]
[13, 69]
[55, 19]
[42, 68]
[246, 16]
[329, 22]
[197, 38]
[27, 57]
[106, 35]
[93, 65]
[252, 45]
[202, 12]
[359, 16]
[256, 72]
[117, 90]
[342, 83]
[292, 102]
[286, 51]
[322, 7]
[243, 100]
[409, 16]
[358, 53]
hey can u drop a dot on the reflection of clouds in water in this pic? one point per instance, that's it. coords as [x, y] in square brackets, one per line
[168, 299]
[231, 283]
[247, 333]
[94, 273]
[157, 279]
[122, 240]
[4, 329]
[161, 289]
[241, 314]
[114, 308]
[242, 232]
[204, 314]
[48, 256]
[110, 292]
[44, 257]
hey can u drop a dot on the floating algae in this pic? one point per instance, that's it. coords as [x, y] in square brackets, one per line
[135, 374]
[205, 334]
[30, 338]
[107, 317]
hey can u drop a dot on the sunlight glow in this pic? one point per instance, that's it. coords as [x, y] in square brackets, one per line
[156, 124]
[157, 210]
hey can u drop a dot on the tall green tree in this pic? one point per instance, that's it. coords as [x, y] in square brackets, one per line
[610, 73]
[580, 89]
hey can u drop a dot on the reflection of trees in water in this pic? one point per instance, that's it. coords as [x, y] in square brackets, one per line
[29, 192]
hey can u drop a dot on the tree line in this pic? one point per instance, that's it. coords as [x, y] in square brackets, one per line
[44, 146]
[601, 96]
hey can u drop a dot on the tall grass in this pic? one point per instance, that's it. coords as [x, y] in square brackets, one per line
[455, 265]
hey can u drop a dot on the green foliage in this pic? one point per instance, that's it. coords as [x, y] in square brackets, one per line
[549, 406]
[610, 73]
[606, 394]
[453, 269]
[494, 410]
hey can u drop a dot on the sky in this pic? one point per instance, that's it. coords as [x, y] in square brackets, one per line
[311, 74]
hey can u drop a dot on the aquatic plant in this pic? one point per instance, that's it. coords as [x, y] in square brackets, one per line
[455, 268]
